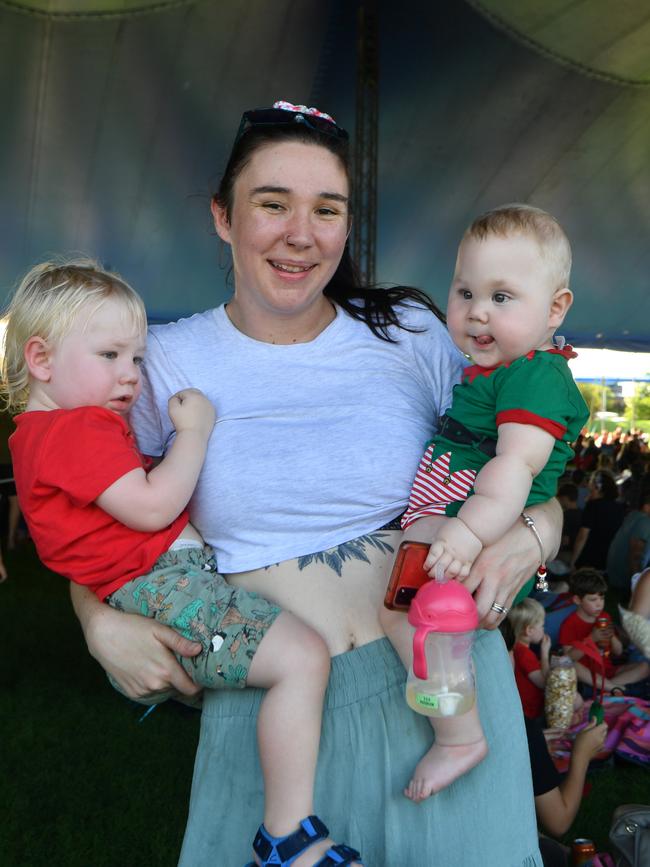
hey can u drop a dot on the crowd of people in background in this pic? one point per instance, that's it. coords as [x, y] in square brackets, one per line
[607, 484]
[605, 498]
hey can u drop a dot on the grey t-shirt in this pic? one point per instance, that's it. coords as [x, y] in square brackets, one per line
[315, 443]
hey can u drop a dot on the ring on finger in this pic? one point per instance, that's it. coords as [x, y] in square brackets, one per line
[500, 609]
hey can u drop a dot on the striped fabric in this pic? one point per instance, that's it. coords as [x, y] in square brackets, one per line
[435, 487]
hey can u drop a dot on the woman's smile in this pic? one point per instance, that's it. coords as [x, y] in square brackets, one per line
[291, 269]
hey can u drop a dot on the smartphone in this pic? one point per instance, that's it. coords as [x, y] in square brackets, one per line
[408, 575]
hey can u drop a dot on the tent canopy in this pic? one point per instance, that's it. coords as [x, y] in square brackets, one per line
[117, 125]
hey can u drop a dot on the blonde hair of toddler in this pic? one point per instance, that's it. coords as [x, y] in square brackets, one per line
[526, 613]
[46, 304]
[520, 219]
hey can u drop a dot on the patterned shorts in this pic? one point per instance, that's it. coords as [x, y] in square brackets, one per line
[185, 591]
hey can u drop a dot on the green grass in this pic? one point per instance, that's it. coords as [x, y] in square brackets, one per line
[86, 785]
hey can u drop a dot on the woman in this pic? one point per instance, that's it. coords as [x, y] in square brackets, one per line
[602, 517]
[325, 394]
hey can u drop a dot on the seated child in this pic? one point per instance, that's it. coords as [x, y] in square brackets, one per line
[103, 517]
[557, 799]
[588, 587]
[527, 619]
[505, 440]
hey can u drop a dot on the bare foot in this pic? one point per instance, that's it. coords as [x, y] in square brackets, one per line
[441, 766]
[313, 855]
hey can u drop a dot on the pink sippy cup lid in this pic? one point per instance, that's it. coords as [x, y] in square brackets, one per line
[443, 606]
[439, 606]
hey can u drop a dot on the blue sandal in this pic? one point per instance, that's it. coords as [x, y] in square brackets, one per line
[283, 851]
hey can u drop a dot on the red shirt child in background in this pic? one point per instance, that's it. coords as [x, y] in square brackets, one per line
[527, 619]
[588, 587]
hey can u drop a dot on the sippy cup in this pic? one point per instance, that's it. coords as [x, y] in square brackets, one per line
[441, 679]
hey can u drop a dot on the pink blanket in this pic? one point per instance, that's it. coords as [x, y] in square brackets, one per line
[628, 737]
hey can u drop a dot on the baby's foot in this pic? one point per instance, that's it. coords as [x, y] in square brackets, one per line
[442, 765]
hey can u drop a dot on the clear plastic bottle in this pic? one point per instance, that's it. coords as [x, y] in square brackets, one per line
[449, 688]
[441, 679]
[559, 693]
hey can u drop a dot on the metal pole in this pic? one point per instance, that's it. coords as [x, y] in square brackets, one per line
[364, 192]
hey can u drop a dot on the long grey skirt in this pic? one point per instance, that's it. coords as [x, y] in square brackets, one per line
[370, 744]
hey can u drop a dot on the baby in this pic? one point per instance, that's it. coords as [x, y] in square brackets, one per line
[505, 440]
[103, 517]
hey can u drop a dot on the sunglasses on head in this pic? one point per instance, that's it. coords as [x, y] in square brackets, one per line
[300, 114]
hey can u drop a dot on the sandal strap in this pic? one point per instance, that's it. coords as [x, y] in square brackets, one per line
[289, 847]
[339, 855]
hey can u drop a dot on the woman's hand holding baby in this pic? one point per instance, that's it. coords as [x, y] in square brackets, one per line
[501, 569]
[138, 653]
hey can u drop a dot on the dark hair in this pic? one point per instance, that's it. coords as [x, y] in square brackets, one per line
[577, 476]
[605, 483]
[374, 305]
[568, 490]
[587, 580]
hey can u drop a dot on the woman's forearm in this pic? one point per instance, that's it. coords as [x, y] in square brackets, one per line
[557, 809]
[548, 518]
[85, 604]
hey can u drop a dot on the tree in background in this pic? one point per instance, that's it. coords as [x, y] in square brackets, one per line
[592, 394]
[637, 406]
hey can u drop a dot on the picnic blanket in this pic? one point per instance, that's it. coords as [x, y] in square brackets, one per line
[628, 738]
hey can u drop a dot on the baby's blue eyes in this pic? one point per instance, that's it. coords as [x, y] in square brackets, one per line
[110, 355]
[498, 297]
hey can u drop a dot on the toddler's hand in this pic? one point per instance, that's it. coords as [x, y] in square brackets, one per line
[190, 409]
[453, 552]
[545, 645]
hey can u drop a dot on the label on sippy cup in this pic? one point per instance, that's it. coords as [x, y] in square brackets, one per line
[426, 700]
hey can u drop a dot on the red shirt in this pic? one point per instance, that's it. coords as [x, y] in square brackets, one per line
[574, 628]
[63, 460]
[532, 697]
